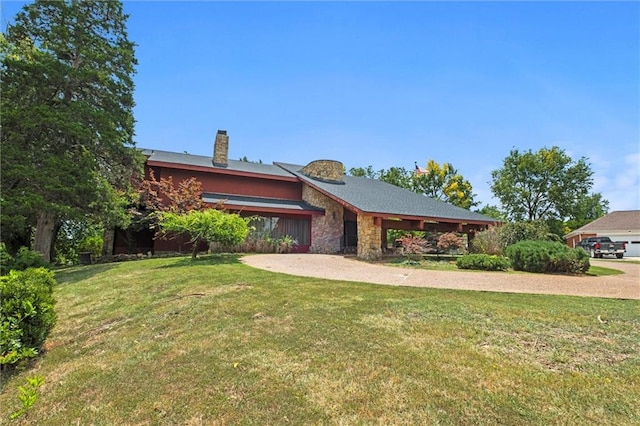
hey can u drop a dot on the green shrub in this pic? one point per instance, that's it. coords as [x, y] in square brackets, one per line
[488, 242]
[495, 239]
[514, 232]
[25, 258]
[26, 313]
[6, 260]
[483, 262]
[92, 245]
[547, 256]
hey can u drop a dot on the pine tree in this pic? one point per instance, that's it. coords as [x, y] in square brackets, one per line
[67, 115]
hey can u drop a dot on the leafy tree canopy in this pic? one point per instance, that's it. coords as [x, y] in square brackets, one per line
[163, 195]
[442, 182]
[587, 209]
[547, 185]
[209, 225]
[492, 211]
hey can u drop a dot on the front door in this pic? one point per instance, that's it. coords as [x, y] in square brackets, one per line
[350, 237]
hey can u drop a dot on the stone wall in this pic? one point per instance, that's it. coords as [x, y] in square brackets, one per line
[369, 238]
[327, 230]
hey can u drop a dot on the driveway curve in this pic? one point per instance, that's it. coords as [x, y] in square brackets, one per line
[345, 268]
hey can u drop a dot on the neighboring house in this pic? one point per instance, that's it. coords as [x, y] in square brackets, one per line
[619, 226]
[316, 204]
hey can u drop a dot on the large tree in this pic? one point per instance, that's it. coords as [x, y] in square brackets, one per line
[543, 185]
[443, 182]
[67, 115]
[587, 209]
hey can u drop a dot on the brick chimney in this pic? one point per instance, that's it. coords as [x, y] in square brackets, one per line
[221, 149]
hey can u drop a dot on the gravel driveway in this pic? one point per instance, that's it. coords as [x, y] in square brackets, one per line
[337, 267]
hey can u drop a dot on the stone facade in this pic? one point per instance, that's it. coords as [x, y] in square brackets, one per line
[326, 170]
[327, 230]
[369, 238]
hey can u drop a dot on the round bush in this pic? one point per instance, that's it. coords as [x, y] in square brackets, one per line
[547, 256]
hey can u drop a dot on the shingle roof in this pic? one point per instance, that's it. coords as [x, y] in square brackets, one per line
[259, 202]
[619, 221]
[207, 162]
[367, 195]
[375, 196]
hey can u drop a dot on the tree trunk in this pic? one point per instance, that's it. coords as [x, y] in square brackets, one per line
[45, 227]
[54, 238]
[108, 238]
[194, 250]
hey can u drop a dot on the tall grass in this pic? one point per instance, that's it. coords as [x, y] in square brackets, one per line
[175, 341]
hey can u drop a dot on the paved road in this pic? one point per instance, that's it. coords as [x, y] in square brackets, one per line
[337, 267]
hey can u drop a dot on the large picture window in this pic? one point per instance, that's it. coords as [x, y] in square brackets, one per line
[278, 227]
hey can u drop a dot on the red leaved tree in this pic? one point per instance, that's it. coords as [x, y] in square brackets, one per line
[450, 241]
[163, 195]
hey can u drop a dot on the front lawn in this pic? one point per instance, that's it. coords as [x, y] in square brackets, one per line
[171, 341]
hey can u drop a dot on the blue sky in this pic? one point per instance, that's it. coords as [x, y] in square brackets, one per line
[392, 83]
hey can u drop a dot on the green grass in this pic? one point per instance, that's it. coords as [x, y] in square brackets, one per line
[601, 271]
[170, 341]
[431, 263]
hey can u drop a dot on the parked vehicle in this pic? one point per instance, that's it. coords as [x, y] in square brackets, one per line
[599, 246]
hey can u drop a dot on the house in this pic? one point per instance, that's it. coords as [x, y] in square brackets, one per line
[316, 204]
[619, 226]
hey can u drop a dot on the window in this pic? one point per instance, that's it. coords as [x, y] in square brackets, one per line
[277, 227]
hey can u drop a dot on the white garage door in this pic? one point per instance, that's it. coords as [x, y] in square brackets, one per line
[633, 244]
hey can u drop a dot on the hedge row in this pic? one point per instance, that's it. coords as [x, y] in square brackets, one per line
[484, 262]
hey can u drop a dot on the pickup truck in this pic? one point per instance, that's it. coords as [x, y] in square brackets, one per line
[598, 246]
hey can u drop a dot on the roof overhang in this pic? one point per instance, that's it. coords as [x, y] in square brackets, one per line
[262, 204]
[388, 216]
[219, 170]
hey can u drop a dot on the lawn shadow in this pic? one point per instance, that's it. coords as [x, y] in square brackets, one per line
[208, 259]
[74, 274]
[6, 373]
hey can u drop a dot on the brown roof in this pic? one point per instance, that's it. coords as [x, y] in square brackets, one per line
[621, 221]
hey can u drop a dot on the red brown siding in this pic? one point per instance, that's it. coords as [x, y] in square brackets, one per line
[243, 185]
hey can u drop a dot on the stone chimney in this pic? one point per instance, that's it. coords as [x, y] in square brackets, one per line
[221, 149]
[330, 171]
